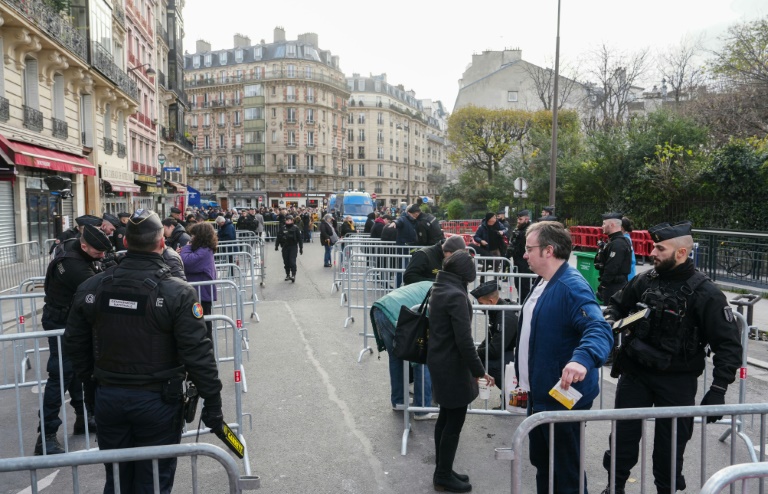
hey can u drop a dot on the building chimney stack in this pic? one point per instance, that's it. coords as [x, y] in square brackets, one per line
[279, 34]
[242, 41]
[202, 46]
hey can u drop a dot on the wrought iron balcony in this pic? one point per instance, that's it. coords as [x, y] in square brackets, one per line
[33, 119]
[162, 32]
[120, 150]
[176, 137]
[221, 150]
[108, 145]
[119, 14]
[161, 79]
[52, 24]
[103, 61]
[60, 128]
[4, 109]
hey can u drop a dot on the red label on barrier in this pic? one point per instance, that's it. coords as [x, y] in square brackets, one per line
[742, 373]
[237, 376]
[21, 319]
[239, 323]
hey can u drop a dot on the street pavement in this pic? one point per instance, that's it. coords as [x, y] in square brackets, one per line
[322, 422]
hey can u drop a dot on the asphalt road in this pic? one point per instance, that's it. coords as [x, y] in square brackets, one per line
[322, 422]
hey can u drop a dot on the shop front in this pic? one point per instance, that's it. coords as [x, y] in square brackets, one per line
[117, 188]
[145, 199]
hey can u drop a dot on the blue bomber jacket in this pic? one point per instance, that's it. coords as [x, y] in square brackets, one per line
[567, 326]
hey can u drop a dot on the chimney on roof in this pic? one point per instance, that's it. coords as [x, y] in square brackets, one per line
[309, 38]
[279, 34]
[242, 41]
[202, 46]
[511, 55]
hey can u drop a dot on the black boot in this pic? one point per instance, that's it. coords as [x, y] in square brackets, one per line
[287, 275]
[460, 476]
[52, 445]
[444, 479]
[79, 428]
[293, 278]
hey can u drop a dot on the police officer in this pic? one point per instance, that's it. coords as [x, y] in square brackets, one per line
[137, 332]
[76, 230]
[74, 261]
[425, 263]
[176, 214]
[517, 249]
[548, 214]
[500, 342]
[661, 359]
[289, 237]
[119, 234]
[613, 259]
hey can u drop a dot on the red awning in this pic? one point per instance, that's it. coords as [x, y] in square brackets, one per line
[37, 157]
[180, 189]
[118, 186]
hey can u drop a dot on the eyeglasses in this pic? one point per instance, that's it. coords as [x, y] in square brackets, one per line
[529, 248]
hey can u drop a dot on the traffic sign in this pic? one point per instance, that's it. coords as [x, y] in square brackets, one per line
[161, 159]
[425, 199]
[521, 184]
[373, 196]
[172, 169]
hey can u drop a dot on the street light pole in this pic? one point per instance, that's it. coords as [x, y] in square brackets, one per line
[553, 157]
[407, 167]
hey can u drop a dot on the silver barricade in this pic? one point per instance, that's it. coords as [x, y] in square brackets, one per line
[372, 291]
[256, 245]
[346, 245]
[239, 376]
[515, 452]
[496, 404]
[239, 267]
[19, 262]
[735, 473]
[735, 424]
[48, 245]
[31, 284]
[237, 483]
[25, 421]
[270, 230]
[19, 313]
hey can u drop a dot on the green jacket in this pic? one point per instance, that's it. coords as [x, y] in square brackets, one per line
[389, 304]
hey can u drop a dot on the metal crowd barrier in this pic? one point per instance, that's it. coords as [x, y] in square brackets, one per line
[237, 483]
[549, 419]
[19, 262]
[735, 473]
[239, 266]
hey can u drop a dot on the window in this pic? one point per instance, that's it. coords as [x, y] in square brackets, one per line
[361, 118]
[361, 186]
[380, 136]
[380, 119]
[292, 138]
[290, 93]
[208, 184]
[310, 115]
[512, 96]
[350, 118]
[120, 128]
[257, 184]
[274, 112]
[223, 58]
[86, 121]
[195, 61]
[208, 59]
[31, 83]
[254, 113]
[380, 153]
[311, 162]
[290, 50]
[350, 135]
[291, 115]
[310, 95]
[222, 143]
[257, 52]
[207, 162]
[350, 185]
[238, 160]
[310, 138]
[254, 159]
[308, 72]
[311, 183]
[361, 152]
[254, 90]
[237, 117]
[239, 55]
[291, 70]
[207, 141]
[379, 170]
[238, 184]
[361, 170]
[362, 135]
[292, 184]
[351, 170]
[274, 136]
[292, 160]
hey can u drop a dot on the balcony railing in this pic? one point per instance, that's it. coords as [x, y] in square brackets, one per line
[254, 169]
[220, 170]
[52, 24]
[4, 109]
[119, 14]
[109, 146]
[176, 137]
[60, 128]
[277, 74]
[120, 150]
[162, 32]
[33, 119]
[161, 79]
[103, 61]
[221, 150]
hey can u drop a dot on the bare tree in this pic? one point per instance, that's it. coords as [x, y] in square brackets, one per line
[615, 76]
[544, 84]
[680, 68]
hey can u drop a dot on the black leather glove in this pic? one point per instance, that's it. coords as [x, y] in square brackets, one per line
[275, 247]
[715, 396]
[212, 415]
[301, 252]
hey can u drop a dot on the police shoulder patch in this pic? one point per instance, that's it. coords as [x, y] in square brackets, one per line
[197, 310]
[728, 313]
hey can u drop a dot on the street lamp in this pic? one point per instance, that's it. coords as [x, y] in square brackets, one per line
[150, 70]
[407, 168]
[553, 157]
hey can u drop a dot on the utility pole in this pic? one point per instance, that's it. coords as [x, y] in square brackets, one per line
[553, 157]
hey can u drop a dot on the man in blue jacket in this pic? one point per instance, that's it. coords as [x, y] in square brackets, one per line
[562, 337]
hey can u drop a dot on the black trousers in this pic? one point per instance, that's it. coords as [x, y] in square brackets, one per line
[289, 258]
[647, 390]
[52, 392]
[448, 427]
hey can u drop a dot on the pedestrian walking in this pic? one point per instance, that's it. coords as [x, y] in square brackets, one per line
[289, 237]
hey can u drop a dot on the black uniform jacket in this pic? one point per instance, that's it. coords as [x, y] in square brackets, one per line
[498, 344]
[424, 264]
[617, 259]
[707, 309]
[140, 338]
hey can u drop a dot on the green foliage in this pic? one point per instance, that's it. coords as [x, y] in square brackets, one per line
[455, 209]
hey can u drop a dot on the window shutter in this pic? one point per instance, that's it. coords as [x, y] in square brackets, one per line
[58, 97]
[31, 83]
[87, 118]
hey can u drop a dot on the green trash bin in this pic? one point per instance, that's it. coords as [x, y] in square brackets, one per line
[585, 264]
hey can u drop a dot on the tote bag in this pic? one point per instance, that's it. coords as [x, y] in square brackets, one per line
[412, 333]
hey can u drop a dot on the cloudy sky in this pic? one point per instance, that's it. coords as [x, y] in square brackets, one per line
[426, 46]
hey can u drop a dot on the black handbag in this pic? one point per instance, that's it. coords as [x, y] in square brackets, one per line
[412, 333]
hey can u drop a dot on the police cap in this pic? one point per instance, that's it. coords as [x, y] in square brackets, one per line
[485, 289]
[111, 218]
[143, 221]
[414, 208]
[123, 215]
[524, 212]
[88, 219]
[289, 217]
[96, 238]
[175, 210]
[665, 231]
[612, 216]
[549, 209]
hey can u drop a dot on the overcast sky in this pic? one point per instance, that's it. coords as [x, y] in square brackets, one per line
[426, 45]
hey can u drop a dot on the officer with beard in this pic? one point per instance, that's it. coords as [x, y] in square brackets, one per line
[664, 353]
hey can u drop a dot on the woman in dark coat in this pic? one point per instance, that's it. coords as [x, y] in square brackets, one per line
[326, 232]
[453, 363]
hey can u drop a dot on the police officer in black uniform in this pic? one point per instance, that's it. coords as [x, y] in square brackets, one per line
[176, 214]
[517, 249]
[119, 234]
[501, 339]
[661, 359]
[75, 231]
[138, 332]
[74, 261]
[426, 262]
[289, 237]
[613, 259]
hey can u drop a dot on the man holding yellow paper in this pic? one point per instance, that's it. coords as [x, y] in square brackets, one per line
[562, 339]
